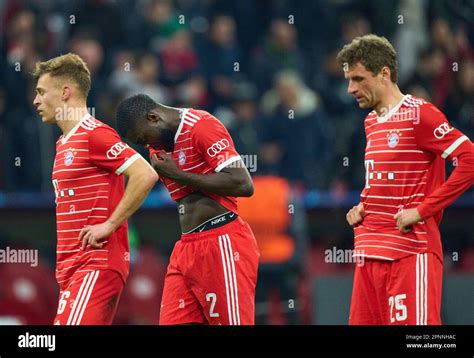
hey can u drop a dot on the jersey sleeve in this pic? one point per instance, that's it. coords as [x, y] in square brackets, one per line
[435, 134]
[212, 140]
[109, 152]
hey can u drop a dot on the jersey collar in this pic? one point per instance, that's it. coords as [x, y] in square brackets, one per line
[74, 129]
[390, 113]
[182, 113]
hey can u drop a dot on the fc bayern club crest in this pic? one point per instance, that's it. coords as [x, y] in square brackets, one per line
[393, 138]
[68, 158]
[181, 158]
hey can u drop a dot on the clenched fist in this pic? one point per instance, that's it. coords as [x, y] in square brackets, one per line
[406, 219]
[355, 216]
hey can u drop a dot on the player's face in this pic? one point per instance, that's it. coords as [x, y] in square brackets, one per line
[160, 137]
[364, 86]
[153, 133]
[48, 98]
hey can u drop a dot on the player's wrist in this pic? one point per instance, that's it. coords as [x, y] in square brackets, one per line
[112, 224]
[181, 177]
[423, 211]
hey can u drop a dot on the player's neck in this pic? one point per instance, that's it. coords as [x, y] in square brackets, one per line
[392, 97]
[171, 116]
[71, 117]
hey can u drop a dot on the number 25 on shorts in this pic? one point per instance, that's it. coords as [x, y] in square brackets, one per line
[400, 307]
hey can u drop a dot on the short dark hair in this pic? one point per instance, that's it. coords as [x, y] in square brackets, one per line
[372, 51]
[131, 111]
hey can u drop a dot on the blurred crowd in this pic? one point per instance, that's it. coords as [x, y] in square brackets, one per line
[265, 68]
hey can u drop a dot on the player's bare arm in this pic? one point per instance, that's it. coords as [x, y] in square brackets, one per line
[141, 179]
[232, 181]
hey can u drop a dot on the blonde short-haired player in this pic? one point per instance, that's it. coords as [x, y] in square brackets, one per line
[92, 206]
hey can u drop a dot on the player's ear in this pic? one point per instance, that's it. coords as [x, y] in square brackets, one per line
[152, 116]
[385, 73]
[67, 93]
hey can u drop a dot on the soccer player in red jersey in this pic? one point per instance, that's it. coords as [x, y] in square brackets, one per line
[91, 204]
[396, 223]
[212, 272]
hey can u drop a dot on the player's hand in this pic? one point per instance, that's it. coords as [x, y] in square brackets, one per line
[406, 219]
[355, 216]
[164, 165]
[95, 235]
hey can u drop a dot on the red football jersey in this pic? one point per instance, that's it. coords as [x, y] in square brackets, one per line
[88, 187]
[202, 145]
[404, 161]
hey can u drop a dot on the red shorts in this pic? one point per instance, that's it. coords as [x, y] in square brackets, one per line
[211, 277]
[402, 292]
[91, 299]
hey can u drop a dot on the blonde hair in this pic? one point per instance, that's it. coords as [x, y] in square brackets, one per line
[69, 66]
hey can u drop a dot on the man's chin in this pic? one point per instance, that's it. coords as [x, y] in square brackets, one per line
[48, 120]
[363, 105]
[169, 148]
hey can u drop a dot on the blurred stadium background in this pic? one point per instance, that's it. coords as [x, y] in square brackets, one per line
[249, 62]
